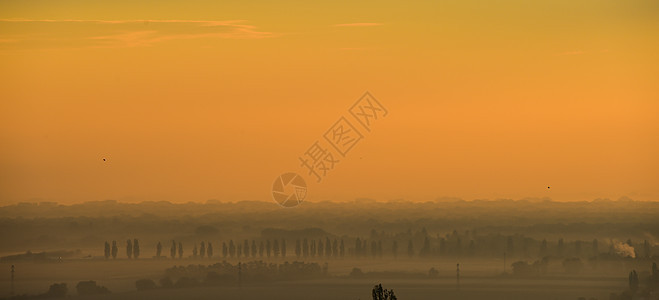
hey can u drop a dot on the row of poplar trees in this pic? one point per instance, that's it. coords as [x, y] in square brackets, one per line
[132, 249]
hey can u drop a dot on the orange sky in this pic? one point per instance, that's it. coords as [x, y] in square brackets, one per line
[198, 100]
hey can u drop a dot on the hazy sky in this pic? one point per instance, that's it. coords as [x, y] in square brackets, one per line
[198, 100]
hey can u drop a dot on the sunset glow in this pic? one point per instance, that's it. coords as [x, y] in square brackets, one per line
[199, 100]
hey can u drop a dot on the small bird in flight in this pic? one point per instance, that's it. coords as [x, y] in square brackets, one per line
[548, 187]
[103, 159]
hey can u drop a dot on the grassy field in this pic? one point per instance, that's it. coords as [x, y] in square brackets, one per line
[479, 280]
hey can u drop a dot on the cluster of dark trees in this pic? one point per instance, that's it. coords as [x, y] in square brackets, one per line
[203, 250]
[422, 244]
[90, 288]
[57, 290]
[320, 249]
[640, 288]
[132, 249]
[379, 293]
[303, 248]
[379, 275]
[572, 265]
[227, 273]
[246, 250]
[267, 248]
[60, 290]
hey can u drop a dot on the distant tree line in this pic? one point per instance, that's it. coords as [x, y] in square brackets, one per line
[411, 245]
[228, 273]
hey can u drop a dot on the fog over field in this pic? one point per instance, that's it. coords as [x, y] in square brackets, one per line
[506, 249]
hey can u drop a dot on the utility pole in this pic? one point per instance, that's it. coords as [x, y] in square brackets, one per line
[12, 280]
[457, 274]
[239, 274]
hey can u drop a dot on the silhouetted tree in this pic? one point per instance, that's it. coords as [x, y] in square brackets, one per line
[107, 250]
[335, 248]
[253, 248]
[180, 250]
[202, 249]
[560, 248]
[342, 249]
[328, 247]
[129, 248]
[275, 248]
[268, 248]
[136, 249]
[522, 268]
[172, 250]
[410, 249]
[246, 248]
[90, 288]
[298, 248]
[321, 248]
[167, 282]
[577, 248]
[383, 294]
[210, 250]
[543, 248]
[358, 247]
[115, 249]
[510, 247]
[305, 247]
[394, 249]
[379, 248]
[595, 248]
[356, 272]
[56, 290]
[194, 251]
[312, 248]
[633, 281]
[283, 248]
[232, 249]
[261, 249]
[158, 250]
[145, 284]
[225, 250]
[425, 250]
[374, 248]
